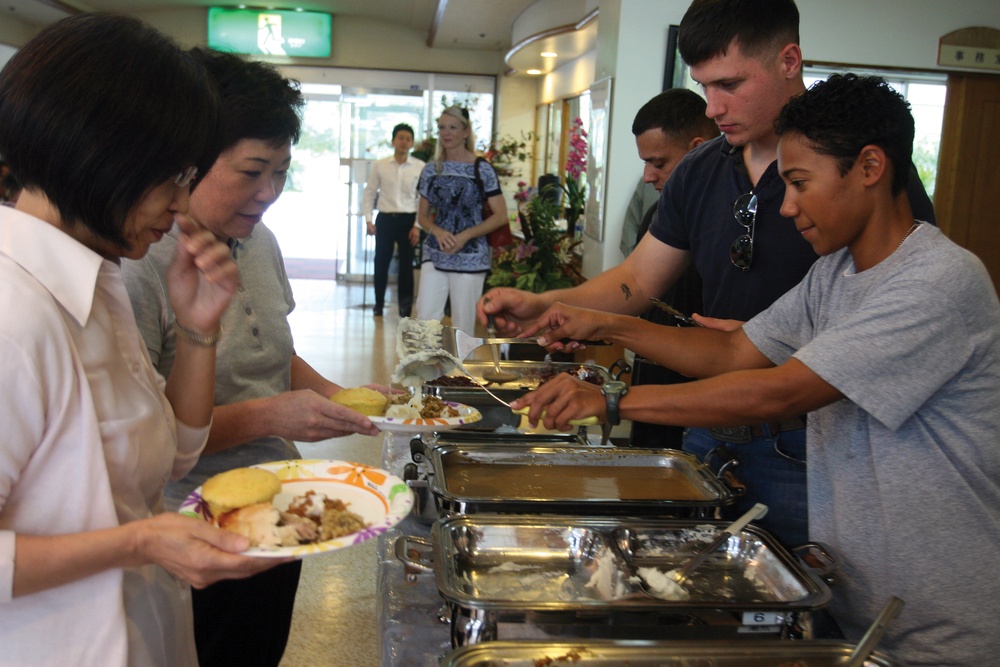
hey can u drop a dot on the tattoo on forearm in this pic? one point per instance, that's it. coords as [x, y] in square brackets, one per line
[626, 290]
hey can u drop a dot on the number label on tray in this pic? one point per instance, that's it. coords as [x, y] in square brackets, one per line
[763, 618]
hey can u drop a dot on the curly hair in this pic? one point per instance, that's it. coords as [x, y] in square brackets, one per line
[847, 112]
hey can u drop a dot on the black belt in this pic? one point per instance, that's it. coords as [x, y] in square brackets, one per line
[394, 214]
[744, 434]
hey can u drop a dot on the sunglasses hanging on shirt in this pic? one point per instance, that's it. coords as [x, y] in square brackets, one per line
[741, 251]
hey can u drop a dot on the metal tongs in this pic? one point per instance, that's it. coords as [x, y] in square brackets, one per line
[683, 319]
[457, 342]
[754, 513]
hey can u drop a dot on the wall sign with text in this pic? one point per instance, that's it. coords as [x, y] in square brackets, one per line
[978, 48]
[270, 32]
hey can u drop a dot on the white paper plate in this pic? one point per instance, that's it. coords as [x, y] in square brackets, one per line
[466, 415]
[380, 498]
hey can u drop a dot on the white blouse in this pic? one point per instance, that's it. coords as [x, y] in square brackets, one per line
[89, 440]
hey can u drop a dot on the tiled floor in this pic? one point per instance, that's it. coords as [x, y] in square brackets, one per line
[334, 624]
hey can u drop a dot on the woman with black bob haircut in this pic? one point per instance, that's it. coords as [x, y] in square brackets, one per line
[94, 143]
[103, 119]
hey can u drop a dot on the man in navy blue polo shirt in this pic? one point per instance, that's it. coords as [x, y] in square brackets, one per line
[720, 211]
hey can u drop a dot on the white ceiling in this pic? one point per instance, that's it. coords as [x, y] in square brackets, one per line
[466, 24]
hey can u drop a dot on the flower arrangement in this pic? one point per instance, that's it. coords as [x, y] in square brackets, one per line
[545, 259]
[504, 152]
[523, 194]
[576, 164]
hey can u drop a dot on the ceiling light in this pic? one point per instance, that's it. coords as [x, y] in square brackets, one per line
[549, 54]
[533, 72]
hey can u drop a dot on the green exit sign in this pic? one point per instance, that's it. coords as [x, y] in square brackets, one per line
[271, 32]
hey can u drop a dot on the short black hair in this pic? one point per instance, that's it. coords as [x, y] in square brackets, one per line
[679, 113]
[847, 112]
[257, 102]
[760, 27]
[402, 127]
[96, 110]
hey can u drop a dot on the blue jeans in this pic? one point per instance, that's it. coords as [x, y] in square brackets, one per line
[773, 470]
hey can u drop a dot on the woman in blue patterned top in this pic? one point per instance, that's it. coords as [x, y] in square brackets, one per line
[456, 255]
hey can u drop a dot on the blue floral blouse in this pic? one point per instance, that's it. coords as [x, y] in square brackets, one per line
[455, 197]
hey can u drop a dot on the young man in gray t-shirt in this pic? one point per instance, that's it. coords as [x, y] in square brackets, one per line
[891, 343]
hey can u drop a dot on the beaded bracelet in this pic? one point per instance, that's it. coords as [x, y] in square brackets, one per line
[195, 337]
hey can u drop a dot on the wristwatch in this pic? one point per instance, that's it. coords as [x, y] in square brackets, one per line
[613, 392]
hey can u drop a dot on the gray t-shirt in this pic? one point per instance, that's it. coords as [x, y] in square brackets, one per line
[253, 359]
[904, 474]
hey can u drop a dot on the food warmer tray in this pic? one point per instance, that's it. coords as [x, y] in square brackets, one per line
[550, 570]
[531, 375]
[473, 479]
[611, 653]
[421, 447]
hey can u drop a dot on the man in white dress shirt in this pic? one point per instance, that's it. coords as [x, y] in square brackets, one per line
[393, 183]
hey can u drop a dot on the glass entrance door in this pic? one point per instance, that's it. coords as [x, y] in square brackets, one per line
[318, 219]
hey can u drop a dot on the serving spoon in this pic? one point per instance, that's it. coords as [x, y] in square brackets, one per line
[874, 634]
[754, 513]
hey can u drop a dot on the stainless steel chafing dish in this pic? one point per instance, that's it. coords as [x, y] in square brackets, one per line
[530, 375]
[610, 653]
[568, 571]
[472, 479]
[420, 448]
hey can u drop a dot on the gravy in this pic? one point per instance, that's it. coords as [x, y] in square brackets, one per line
[533, 481]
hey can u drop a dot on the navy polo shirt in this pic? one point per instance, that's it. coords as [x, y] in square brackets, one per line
[696, 214]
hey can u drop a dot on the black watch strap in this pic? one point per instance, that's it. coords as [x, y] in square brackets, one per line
[613, 392]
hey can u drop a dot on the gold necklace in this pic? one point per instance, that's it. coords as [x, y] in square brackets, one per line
[907, 234]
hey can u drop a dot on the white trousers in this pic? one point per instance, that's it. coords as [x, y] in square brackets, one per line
[464, 288]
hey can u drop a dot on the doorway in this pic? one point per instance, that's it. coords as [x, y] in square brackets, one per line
[346, 127]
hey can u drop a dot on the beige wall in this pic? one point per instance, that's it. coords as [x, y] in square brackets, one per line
[357, 42]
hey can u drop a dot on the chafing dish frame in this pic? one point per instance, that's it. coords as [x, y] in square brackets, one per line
[718, 494]
[474, 619]
[641, 653]
[496, 414]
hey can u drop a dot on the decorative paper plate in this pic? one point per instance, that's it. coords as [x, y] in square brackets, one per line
[466, 415]
[380, 498]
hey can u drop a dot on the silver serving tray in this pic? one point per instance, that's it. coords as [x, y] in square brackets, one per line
[420, 448]
[532, 374]
[718, 653]
[509, 439]
[519, 563]
[707, 493]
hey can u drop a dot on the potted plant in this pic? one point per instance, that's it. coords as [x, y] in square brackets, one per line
[544, 259]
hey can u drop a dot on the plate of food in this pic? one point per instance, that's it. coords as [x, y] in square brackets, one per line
[424, 414]
[303, 507]
[402, 413]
